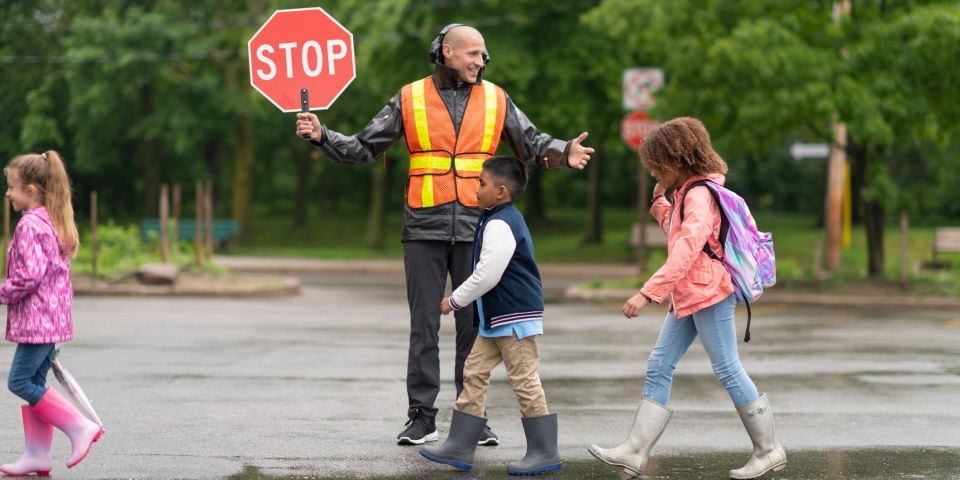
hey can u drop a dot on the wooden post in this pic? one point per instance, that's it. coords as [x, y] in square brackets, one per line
[208, 218]
[164, 218]
[904, 246]
[836, 172]
[198, 227]
[94, 245]
[833, 219]
[175, 235]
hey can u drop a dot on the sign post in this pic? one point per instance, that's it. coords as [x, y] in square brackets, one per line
[298, 51]
[638, 87]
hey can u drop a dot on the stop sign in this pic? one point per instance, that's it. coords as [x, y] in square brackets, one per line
[634, 127]
[301, 48]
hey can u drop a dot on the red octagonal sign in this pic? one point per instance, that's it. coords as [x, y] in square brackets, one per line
[301, 48]
[634, 127]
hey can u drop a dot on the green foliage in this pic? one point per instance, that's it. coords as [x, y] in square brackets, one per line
[120, 251]
[798, 241]
[135, 94]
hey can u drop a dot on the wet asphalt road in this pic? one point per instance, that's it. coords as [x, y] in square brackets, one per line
[312, 386]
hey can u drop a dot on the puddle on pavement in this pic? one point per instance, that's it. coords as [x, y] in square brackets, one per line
[841, 464]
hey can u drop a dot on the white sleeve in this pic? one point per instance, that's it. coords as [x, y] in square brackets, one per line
[495, 254]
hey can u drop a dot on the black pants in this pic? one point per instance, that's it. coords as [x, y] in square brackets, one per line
[427, 265]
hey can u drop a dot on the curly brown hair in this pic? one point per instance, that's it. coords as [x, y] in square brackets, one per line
[681, 146]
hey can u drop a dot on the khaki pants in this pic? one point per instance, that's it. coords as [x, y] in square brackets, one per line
[521, 358]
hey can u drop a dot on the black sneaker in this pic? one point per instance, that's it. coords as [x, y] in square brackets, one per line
[488, 438]
[420, 429]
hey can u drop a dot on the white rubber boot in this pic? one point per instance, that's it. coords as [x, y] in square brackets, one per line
[632, 454]
[768, 454]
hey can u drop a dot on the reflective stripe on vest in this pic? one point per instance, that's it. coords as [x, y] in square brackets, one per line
[444, 167]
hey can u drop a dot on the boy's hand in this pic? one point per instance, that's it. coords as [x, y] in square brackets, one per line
[634, 305]
[445, 307]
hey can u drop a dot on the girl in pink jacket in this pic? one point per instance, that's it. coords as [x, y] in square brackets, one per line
[38, 294]
[699, 292]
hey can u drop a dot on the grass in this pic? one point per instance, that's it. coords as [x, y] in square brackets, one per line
[798, 241]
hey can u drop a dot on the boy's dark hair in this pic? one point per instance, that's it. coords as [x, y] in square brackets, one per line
[510, 172]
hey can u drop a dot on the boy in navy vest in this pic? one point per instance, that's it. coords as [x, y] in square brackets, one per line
[507, 298]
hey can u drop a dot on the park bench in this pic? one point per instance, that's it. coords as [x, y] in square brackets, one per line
[222, 229]
[655, 235]
[945, 240]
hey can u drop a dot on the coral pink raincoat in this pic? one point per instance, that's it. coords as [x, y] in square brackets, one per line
[689, 277]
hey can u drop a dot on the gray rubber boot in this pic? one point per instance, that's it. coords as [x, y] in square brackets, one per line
[457, 450]
[768, 454]
[632, 454]
[543, 454]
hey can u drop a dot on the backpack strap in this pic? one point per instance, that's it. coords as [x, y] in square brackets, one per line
[724, 222]
[724, 228]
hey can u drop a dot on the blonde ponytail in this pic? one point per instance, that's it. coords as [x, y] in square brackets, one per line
[48, 173]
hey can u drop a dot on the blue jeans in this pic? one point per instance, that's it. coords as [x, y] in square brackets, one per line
[28, 372]
[718, 333]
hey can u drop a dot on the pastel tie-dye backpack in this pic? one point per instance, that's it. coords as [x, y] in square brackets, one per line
[747, 252]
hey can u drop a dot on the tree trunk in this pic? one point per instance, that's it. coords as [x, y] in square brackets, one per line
[871, 211]
[594, 232]
[301, 202]
[378, 194]
[594, 227]
[534, 212]
[873, 219]
[150, 159]
[242, 164]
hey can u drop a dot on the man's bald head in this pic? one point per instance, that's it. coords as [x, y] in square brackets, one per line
[464, 50]
[460, 34]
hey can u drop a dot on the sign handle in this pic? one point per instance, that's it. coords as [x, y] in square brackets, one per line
[305, 105]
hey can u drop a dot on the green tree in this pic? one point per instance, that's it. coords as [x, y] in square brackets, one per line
[761, 74]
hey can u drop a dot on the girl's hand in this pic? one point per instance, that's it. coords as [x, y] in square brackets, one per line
[634, 305]
[659, 190]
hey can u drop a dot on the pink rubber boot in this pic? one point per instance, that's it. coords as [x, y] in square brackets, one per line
[60, 413]
[38, 438]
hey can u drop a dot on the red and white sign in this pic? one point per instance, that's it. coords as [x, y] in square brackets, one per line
[638, 87]
[301, 48]
[636, 126]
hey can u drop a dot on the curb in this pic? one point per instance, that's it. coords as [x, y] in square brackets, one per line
[252, 272]
[239, 287]
[578, 293]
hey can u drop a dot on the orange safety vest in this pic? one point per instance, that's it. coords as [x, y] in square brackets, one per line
[445, 166]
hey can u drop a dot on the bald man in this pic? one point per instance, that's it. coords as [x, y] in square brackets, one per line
[451, 121]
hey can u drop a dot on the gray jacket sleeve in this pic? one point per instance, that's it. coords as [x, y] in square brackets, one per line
[371, 142]
[529, 143]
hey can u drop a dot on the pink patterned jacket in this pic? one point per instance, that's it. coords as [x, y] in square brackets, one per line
[38, 291]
